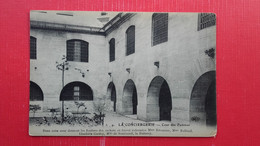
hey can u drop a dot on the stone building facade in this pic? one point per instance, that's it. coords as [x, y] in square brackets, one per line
[159, 66]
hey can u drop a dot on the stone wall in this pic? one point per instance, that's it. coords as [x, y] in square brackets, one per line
[182, 60]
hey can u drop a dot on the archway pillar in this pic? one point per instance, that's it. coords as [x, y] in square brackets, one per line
[128, 105]
[152, 107]
[141, 107]
[180, 110]
[119, 107]
[153, 112]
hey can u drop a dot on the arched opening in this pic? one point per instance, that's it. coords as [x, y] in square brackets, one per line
[203, 100]
[111, 92]
[165, 102]
[130, 98]
[159, 100]
[36, 93]
[76, 91]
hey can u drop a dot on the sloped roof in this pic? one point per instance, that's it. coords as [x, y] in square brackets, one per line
[99, 23]
[81, 18]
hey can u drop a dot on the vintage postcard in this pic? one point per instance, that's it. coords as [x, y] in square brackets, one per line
[122, 74]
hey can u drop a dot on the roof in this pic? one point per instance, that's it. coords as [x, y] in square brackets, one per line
[81, 18]
[99, 23]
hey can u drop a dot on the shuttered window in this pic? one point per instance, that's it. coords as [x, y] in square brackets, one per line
[112, 50]
[206, 20]
[77, 50]
[159, 28]
[130, 40]
[33, 45]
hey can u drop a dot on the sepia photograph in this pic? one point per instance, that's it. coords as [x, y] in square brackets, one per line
[122, 74]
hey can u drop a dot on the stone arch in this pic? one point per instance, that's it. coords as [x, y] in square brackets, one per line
[129, 99]
[111, 93]
[159, 100]
[76, 91]
[36, 93]
[203, 100]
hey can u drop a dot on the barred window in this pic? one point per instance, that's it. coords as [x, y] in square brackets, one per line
[76, 91]
[206, 20]
[112, 50]
[77, 50]
[36, 93]
[159, 28]
[130, 40]
[33, 46]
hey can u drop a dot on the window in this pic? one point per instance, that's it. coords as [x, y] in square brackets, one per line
[33, 48]
[112, 50]
[36, 93]
[159, 28]
[206, 20]
[76, 91]
[130, 40]
[77, 50]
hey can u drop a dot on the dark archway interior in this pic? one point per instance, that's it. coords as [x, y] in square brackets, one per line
[76, 91]
[113, 94]
[36, 93]
[165, 102]
[134, 101]
[130, 97]
[203, 100]
[210, 105]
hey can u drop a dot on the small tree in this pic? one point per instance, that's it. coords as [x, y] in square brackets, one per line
[63, 66]
[101, 105]
[34, 108]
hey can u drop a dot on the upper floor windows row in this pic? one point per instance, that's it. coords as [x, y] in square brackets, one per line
[159, 32]
[159, 35]
[77, 50]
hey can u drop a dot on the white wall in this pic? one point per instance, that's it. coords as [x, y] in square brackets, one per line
[182, 61]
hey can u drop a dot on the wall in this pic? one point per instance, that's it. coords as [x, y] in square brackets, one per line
[182, 60]
[51, 46]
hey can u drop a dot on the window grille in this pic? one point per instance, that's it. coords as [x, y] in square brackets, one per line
[159, 28]
[112, 50]
[33, 46]
[206, 20]
[130, 40]
[77, 50]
